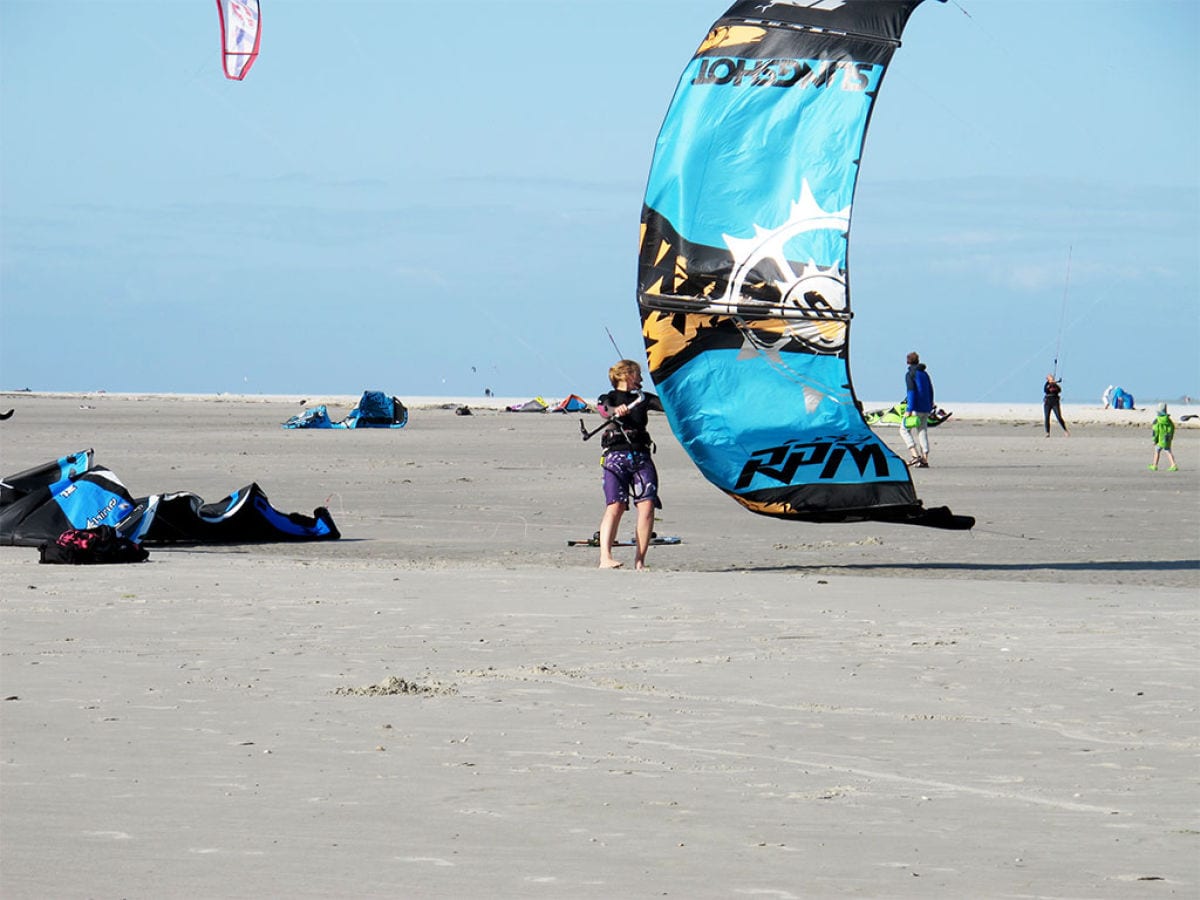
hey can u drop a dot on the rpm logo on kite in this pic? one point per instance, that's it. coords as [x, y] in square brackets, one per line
[782, 463]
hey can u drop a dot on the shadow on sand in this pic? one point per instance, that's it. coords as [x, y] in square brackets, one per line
[966, 568]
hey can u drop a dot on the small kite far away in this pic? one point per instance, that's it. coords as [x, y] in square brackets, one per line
[240, 36]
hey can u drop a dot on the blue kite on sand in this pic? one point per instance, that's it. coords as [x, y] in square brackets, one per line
[37, 505]
[375, 410]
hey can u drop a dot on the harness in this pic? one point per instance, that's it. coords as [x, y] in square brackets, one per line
[615, 422]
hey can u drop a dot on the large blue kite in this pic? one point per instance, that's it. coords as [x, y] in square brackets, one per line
[743, 284]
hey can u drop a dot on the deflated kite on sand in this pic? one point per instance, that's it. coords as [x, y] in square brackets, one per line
[375, 410]
[39, 504]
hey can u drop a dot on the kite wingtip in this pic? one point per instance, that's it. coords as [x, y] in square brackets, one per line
[324, 517]
[942, 517]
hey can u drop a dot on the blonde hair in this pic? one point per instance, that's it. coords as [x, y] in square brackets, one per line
[621, 369]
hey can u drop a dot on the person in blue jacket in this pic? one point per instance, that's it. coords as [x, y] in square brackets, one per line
[914, 427]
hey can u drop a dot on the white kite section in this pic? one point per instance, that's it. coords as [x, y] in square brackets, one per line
[240, 36]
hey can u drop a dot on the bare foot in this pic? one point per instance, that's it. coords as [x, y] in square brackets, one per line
[610, 564]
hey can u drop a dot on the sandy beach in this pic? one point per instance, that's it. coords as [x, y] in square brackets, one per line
[450, 702]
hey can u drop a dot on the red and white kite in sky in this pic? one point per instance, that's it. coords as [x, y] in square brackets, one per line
[240, 36]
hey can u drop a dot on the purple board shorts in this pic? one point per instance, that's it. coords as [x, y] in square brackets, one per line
[630, 475]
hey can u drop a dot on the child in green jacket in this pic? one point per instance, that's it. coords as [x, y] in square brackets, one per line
[1164, 432]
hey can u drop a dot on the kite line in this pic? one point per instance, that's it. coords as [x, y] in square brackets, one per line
[620, 355]
[1063, 315]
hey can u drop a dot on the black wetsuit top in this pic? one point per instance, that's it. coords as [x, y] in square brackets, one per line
[629, 431]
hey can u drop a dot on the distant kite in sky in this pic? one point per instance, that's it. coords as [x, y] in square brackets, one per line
[240, 36]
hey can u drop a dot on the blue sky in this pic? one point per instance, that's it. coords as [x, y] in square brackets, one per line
[438, 198]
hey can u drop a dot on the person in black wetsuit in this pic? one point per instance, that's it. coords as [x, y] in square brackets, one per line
[629, 472]
[1051, 393]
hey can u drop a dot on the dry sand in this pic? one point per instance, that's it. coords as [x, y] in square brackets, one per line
[774, 709]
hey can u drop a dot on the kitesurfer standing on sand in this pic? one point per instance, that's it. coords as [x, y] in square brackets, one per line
[629, 472]
[918, 398]
[1051, 403]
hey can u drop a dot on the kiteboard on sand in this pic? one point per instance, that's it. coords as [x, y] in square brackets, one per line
[655, 541]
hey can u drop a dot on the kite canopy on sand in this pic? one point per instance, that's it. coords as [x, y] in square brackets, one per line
[39, 504]
[537, 404]
[240, 36]
[743, 285]
[571, 403]
[375, 409]
[898, 413]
